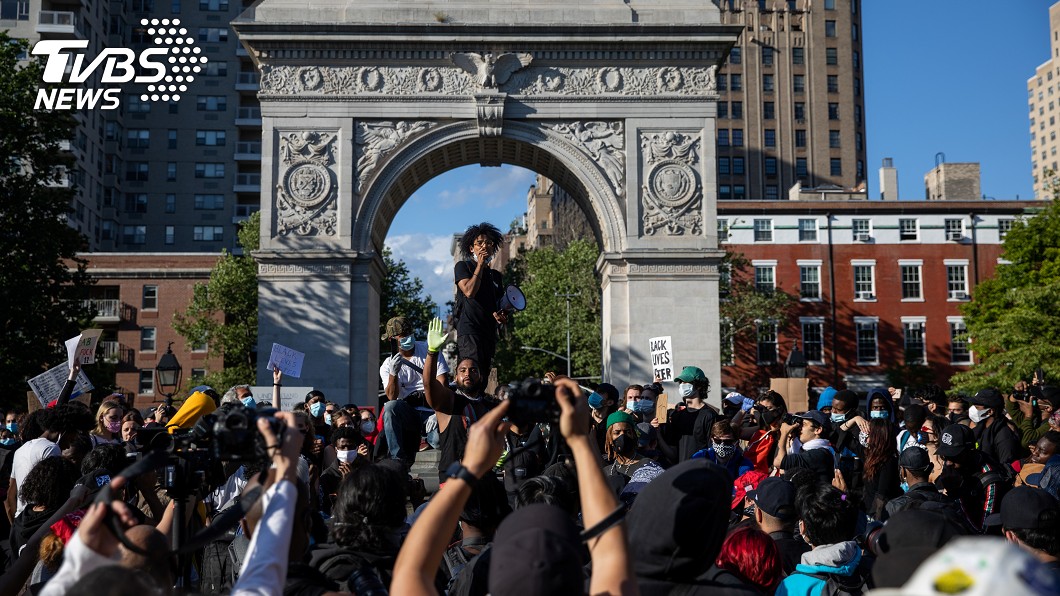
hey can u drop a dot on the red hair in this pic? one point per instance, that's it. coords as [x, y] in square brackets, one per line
[751, 554]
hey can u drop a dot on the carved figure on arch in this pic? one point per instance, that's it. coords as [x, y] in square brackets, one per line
[376, 139]
[490, 71]
[605, 143]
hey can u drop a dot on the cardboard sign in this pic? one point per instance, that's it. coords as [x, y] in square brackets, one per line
[662, 358]
[287, 360]
[48, 385]
[82, 349]
[289, 396]
[661, 408]
[794, 391]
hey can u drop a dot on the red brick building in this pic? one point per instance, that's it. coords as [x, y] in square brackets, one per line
[879, 283]
[136, 296]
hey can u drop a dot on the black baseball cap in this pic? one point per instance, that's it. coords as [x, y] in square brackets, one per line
[914, 458]
[990, 398]
[776, 497]
[909, 537]
[955, 440]
[537, 550]
[1024, 506]
[818, 417]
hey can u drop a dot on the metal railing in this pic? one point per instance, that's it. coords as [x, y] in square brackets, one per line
[104, 307]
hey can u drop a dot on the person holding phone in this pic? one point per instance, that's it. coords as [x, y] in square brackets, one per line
[479, 290]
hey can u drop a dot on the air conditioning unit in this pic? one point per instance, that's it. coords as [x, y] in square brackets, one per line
[954, 236]
[866, 296]
[863, 237]
[958, 295]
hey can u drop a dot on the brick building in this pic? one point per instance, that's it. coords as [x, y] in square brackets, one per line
[136, 296]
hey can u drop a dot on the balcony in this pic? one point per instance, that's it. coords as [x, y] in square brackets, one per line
[111, 351]
[247, 81]
[247, 183]
[108, 310]
[248, 116]
[61, 22]
[243, 212]
[248, 151]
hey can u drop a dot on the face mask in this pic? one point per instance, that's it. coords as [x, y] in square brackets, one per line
[327, 419]
[595, 401]
[877, 414]
[113, 427]
[905, 486]
[839, 417]
[7, 442]
[953, 417]
[767, 418]
[367, 427]
[408, 343]
[644, 406]
[685, 390]
[250, 403]
[346, 456]
[722, 450]
[12, 426]
[624, 445]
[978, 414]
[629, 404]
[863, 438]
[317, 409]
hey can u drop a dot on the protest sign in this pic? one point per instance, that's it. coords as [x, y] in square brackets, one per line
[82, 349]
[662, 357]
[287, 360]
[289, 396]
[661, 407]
[48, 385]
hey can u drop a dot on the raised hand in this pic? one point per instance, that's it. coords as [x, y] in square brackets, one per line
[435, 336]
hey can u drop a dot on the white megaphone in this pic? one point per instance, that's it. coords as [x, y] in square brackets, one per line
[512, 299]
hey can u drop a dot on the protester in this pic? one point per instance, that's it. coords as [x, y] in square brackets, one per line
[848, 422]
[914, 417]
[776, 515]
[1030, 518]
[240, 394]
[1032, 417]
[627, 471]
[762, 439]
[752, 556]
[685, 431]
[108, 424]
[824, 401]
[973, 477]
[479, 288]
[915, 469]
[725, 449]
[41, 436]
[807, 447]
[880, 470]
[603, 404]
[957, 409]
[992, 432]
[43, 491]
[907, 539]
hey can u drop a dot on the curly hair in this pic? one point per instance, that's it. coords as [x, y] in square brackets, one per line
[108, 457]
[48, 484]
[346, 432]
[467, 241]
[35, 423]
[752, 555]
[371, 501]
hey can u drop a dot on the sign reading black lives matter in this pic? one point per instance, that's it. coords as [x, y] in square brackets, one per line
[662, 357]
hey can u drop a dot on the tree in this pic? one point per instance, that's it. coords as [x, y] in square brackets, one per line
[402, 296]
[1013, 322]
[223, 313]
[743, 305]
[42, 280]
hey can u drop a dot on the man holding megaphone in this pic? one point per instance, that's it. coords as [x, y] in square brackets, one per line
[478, 296]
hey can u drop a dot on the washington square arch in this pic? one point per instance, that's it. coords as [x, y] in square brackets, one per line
[363, 101]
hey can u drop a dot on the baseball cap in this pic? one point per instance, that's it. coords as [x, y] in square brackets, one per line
[955, 440]
[908, 538]
[691, 374]
[537, 550]
[397, 326]
[1023, 508]
[990, 398]
[914, 457]
[819, 417]
[775, 496]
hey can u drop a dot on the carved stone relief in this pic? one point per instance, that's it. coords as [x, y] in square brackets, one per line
[376, 139]
[489, 71]
[605, 143]
[305, 195]
[672, 195]
[489, 109]
[302, 270]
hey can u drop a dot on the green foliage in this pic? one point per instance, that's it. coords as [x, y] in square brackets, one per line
[402, 296]
[1013, 320]
[742, 305]
[42, 281]
[223, 313]
[542, 273]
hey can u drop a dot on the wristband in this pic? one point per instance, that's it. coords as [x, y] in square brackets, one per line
[277, 385]
[457, 471]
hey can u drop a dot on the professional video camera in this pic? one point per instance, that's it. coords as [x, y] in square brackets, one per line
[532, 401]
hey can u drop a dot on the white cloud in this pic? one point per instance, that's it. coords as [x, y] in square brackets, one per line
[491, 187]
[428, 258]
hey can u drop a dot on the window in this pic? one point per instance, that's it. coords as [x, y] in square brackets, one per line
[908, 230]
[857, 59]
[829, 4]
[138, 138]
[798, 83]
[800, 138]
[723, 137]
[737, 110]
[772, 192]
[957, 279]
[833, 111]
[812, 339]
[723, 229]
[213, 5]
[801, 171]
[770, 166]
[723, 110]
[735, 56]
[738, 192]
[857, 114]
[835, 166]
[860, 170]
[864, 280]
[807, 230]
[211, 103]
[136, 203]
[913, 334]
[798, 55]
[216, 69]
[865, 328]
[209, 202]
[137, 171]
[134, 234]
[831, 56]
[767, 83]
[209, 170]
[723, 82]
[1003, 228]
[767, 56]
[14, 10]
[150, 298]
[861, 229]
[765, 276]
[135, 105]
[724, 192]
[912, 288]
[959, 352]
[208, 234]
[857, 87]
[768, 110]
[833, 139]
[810, 281]
[771, 137]
[171, 203]
[210, 138]
[736, 82]
[833, 84]
[829, 28]
[171, 138]
[723, 166]
[954, 229]
[737, 137]
[147, 339]
[170, 235]
[174, 6]
[147, 381]
[763, 230]
[213, 34]
[171, 171]
[738, 166]
[767, 342]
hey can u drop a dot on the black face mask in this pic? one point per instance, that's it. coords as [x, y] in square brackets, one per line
[624, 445]
[767, 418]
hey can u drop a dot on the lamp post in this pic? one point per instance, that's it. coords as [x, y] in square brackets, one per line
[795, 365]
[167, 374]
[568, 297]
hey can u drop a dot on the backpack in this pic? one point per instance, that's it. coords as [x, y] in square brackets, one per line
[840, 585]
[343, 564]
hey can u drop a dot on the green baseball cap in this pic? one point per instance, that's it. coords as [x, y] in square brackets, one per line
[691, 374]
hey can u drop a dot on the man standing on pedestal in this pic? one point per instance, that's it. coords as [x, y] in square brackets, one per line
[402, 375]
[478, 292]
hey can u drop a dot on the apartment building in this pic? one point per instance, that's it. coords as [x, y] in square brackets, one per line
[1043, 101]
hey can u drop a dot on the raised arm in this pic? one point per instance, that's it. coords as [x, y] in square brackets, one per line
[470, 285]
[782, 443]
[277, 383]
[438, 396]
[68, 387]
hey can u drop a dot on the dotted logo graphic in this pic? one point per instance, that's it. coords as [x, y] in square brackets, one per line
[185, 59]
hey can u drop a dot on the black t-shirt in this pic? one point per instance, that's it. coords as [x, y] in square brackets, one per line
[821, 461]
[453, 440]
[476, 313]
[791, 549]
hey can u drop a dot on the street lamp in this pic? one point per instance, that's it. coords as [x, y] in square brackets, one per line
[167, 374]
[795, 365]
[560, 356]
[568, 297]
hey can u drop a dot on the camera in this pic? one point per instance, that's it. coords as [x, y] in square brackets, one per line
[532, 401]
[791, 419]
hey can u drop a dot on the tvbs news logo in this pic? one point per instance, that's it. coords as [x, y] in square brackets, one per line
[166, 69]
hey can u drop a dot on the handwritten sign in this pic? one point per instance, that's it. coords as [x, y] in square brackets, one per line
[48, 385]
[82, 349]
[289, 396]
[662, 357]
[287, 360]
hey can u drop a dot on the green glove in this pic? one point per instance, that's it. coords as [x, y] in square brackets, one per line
[435, 337]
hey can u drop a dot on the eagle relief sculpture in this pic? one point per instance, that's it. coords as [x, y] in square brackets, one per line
[490, 71]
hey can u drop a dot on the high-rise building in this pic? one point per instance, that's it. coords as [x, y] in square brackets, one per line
[792, 109]
[159, 176]
[1043, 95]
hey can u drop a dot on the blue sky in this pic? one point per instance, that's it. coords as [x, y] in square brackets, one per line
[940, 75]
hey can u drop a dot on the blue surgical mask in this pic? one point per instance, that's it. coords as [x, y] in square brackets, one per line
[905, 486]
[685, 389]
[839, 417]
[250, 403]
[8, 441]
[327, 419]
[408, 343]
[644, 406]
[367, 427]
[317, 409]
[595, 400]
[878, 414]
[12, 426]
